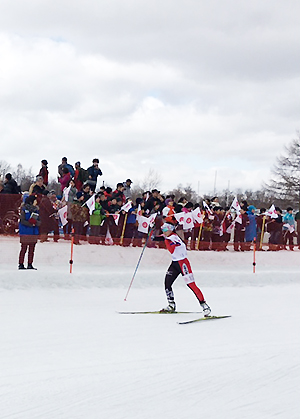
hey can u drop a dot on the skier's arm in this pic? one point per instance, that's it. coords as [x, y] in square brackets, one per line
[158, 238]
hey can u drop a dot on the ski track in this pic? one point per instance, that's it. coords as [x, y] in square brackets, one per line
[66, 353]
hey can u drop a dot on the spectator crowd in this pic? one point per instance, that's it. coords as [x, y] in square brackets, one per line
[109, 220]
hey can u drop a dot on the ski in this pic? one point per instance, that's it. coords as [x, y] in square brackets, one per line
[158, 312]
[204, 318]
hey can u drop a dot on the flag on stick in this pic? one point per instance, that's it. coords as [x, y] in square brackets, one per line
[90, 203]
[63, 215]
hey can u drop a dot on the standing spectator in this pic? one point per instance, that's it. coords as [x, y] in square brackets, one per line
[28, 230]
[69, 195]
[64, 180]
[250, 232]
[289, 227]
[38, 187]
[10, 185]
[131, 225]
[274, 227]
[127, 189]
[81, 175]
[94, 171]
[64, 163]
[188, 233]
[48, 221]
[227, 220]
[239, 232]
[214, 202]
[114, 208]
[44, 172]
[151, 202]
[260, 225]
[119, 192]
[80, 215]
[207, 229]
[297, 219]
[216, 224]
[96, 219]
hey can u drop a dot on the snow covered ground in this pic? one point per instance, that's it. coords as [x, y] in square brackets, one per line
[66, 353]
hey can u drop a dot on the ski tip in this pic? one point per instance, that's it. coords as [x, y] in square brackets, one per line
[205, 318]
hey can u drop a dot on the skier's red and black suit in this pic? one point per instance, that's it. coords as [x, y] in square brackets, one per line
[180, 265]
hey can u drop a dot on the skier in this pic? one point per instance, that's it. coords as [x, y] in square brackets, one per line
[180, 265]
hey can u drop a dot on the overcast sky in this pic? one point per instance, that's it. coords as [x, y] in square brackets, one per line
[204, 93]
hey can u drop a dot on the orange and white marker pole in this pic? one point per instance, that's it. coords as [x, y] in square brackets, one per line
[72, 247]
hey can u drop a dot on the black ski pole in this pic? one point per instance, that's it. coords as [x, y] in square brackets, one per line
[140, 258]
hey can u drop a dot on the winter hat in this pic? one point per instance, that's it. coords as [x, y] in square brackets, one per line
[44, 162]
[30, 199]
[251, 208]
[189, 205]
[79, 194]
[167, 227]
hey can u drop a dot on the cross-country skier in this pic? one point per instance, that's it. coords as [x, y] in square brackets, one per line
[180, 265]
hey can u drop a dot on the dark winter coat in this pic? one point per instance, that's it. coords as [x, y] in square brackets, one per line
[11, 187]
[29, 224]
[94, 172]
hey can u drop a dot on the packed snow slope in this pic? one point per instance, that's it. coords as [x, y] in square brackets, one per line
[66, 353]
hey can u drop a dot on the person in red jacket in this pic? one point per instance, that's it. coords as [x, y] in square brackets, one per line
[44, 172]
[180, 265]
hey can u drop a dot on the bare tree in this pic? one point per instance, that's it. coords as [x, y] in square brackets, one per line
[4, 168]
[185, 191]
[286, 182]
[151, 181]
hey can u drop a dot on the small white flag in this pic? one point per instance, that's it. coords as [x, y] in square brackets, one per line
[90, 203]
[197, 216]
[188, 221]
[231, 227]
[235, 204]
[66, 192]
[207, 207]
[180, 217]
[239, 218]
[63, 215]
[272, 212]
[152, 219]
[126, 207]
[288, 227]
[144, 223]
[116, 218]
[139, 212]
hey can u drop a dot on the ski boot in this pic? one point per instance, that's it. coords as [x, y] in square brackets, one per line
[206, 309]
[171, 308]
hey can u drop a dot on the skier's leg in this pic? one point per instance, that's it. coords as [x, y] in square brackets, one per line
[171, 274]
[188, 276]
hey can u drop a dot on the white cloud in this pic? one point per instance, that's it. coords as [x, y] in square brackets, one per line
[185, 88]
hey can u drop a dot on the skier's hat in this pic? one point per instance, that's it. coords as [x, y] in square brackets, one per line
[167, 227]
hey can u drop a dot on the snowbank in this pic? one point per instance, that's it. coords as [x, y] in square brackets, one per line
[113, 266]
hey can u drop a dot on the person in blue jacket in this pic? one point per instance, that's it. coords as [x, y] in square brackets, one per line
[28, 230]
[251, 231]
[289, 227]
[94, 171]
